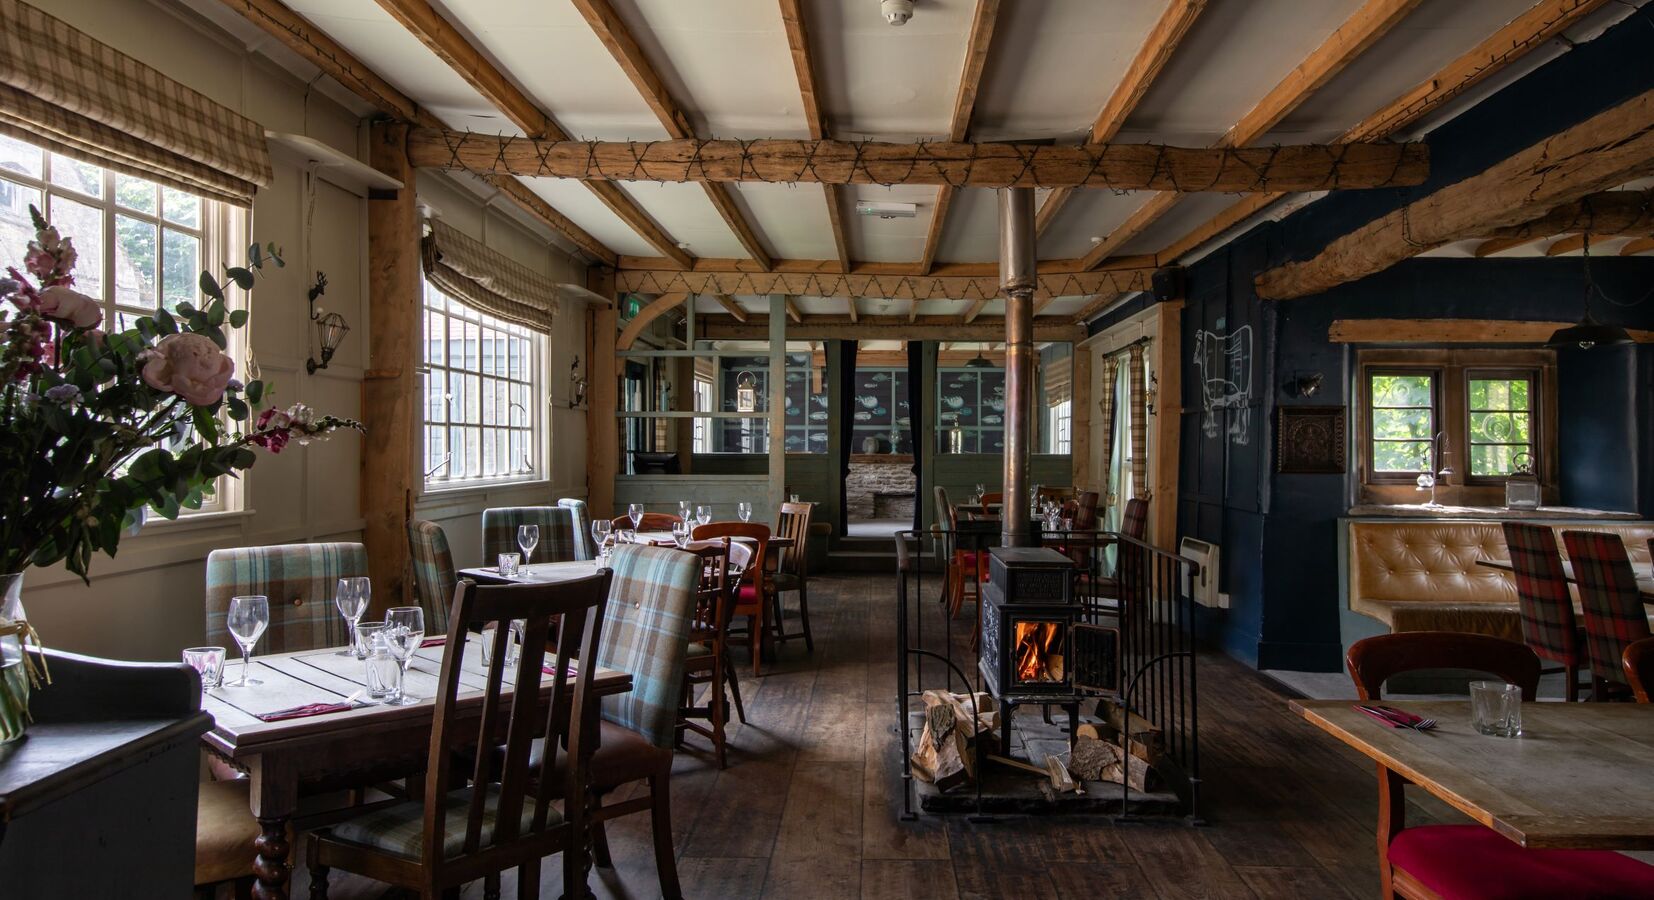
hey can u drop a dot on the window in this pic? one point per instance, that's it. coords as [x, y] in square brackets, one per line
[482, 384]
[1403, 405]
[1057, 424]
[1501, 423]
[141, 245]
[703, 401]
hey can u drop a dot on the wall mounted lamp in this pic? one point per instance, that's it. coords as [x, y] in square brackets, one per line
[330, 327]
[577, 385]
[1304, 384]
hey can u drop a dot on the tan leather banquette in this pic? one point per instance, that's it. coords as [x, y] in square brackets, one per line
[1423, 576]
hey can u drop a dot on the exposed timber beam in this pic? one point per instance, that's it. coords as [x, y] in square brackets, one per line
[931, 328]
[1500, 245]
[1640, 245]
[1610, 148]
[975, 310]
[1115, 166]
[798, 41]
[1451, 331]
[855, 314]
[896, 287]
[617, 37]
[964, 104]
[453, 48]
[792, 310]
[730, 306]
[659, 307]
[1097, 305]
[1572, 243]
[833, 267]
[1360, 31]
[1605, 214]
[297, 34]
[1540, 24]
[1156, 51]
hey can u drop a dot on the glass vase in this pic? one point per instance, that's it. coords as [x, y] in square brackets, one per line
[14, 670]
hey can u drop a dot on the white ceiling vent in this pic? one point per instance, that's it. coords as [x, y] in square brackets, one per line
[886, 210]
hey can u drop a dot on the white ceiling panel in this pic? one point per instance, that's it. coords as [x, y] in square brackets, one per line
[1190, 212]
[683, 209]
[972, 232]
[791, 219]
[575, 200]
[875, 79]
[1053, 65]
[1088, 214]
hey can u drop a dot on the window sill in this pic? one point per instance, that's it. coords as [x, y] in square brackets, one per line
[194, 521]
[469, 488]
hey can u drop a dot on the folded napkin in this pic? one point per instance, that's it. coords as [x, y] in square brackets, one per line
[305, 711]
[1389, 715]
[552, 670]
[433, 642]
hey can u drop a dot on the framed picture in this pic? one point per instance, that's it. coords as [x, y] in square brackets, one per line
[1311, 440]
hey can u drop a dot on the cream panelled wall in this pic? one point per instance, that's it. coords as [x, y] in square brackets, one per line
[148, 602]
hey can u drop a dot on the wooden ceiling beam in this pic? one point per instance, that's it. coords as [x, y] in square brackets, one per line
[1450, 331]
[453, 48]
[975, 310]
[1540, 24]
[834, 267]
[314, 46]
[1175, 22]
[1360, 31]
[613, 32]
[1606, 214]
[1097, 305]
[1499, 245]
[855, 314]
[835, 220]
[662, 305]
[1608, 149]
[1640, 245]
[964, 105]
[1298, 167]
[798, 42]
[895, 287]
[1571, 243]
[937, 328]
[730, 306]
[792, 311]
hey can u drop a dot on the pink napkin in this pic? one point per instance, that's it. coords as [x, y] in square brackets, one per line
[301, 712]
[433, 642]
[552, 670]
[1390, 716]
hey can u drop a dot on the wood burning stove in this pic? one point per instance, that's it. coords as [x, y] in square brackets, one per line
[1035, 646]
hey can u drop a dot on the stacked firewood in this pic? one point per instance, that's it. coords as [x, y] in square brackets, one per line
[946, 755]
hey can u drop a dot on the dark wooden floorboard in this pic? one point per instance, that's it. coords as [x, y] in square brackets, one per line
[810, 804]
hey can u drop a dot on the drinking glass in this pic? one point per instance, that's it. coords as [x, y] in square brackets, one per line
[600, 537]
[384, 672]
[528, 537]
[513, 643]
[792, 498]
[744, 510]
[506, 566]
[703, 515]
[981, 491]
[1496, 708]
[248, 618]
[626, 536]
[404, 631]
[209, 661]
[352, 598]
[363, 637]
[680, 534]
[634, 511]
[685, 511]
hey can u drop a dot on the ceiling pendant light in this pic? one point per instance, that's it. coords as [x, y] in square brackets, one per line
[1589, 332]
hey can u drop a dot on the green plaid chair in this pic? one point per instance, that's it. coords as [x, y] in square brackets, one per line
[646, 632]
[433, 568]
[299, 579]
[558, 534]
[582, 527]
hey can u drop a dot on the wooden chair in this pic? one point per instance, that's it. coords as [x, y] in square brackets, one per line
[722, 562]
[1612, 603]
[990, 500]
[1638, 662]
[792, 570]
[559, 533]
[649, 522]
[494, 822]
[751, 600]
[1546, 604]
[1434, 861]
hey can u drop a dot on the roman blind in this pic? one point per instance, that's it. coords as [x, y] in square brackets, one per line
[486, 280]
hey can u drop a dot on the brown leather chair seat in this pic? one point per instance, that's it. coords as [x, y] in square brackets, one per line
[622, 757]
[224, 832]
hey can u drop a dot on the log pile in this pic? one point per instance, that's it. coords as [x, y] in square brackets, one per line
[946, 754]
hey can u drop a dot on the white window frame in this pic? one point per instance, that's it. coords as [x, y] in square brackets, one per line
[219, 227]
[534, 426]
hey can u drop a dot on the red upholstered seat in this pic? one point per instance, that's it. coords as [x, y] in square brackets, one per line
[747, 595]
[1469, 861]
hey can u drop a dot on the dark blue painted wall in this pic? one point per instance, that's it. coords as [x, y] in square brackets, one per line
[1279, 532]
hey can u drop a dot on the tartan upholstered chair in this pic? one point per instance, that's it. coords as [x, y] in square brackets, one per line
[582, 526]
[433, 569]
[1613, 606]
[299, 579]
[1473, 860]
[559, 536]
[1547, 606]
[1135, 522]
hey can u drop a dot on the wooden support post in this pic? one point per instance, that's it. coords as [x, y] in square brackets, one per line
[1079, 428]
[391, 382]
[602, 435]
[1168, 423]
[683, 400]
[778, 401]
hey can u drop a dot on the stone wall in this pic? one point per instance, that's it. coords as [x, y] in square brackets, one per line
[880, 487]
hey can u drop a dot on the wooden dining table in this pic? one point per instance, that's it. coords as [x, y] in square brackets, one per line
[1578, 777]
[366, 745]
[1643, 571]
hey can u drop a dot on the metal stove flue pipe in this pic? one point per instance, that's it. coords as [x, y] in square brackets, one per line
[1017, 278]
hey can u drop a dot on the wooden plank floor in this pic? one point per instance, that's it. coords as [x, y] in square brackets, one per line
[808, 806]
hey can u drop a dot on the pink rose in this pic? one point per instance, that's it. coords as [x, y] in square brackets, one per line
[191, 366]
[69, 305]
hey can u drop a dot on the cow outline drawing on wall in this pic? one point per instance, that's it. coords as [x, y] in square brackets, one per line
[1225, 365]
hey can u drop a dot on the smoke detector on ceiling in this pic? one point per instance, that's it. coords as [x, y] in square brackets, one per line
[886, 210]
[896, 12]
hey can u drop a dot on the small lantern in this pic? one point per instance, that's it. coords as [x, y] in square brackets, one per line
[746, 393]
[1522, 486]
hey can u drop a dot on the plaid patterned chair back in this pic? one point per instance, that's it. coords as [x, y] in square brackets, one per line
[646, 632]
[433, 569]
[582, 527]
[793, 523]
[1608, 593]
[1542, 591]
[1085, 510]
[1135, 522]
[557, 533]
[299, 579]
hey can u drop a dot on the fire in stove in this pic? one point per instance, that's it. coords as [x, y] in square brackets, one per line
[1039, 652]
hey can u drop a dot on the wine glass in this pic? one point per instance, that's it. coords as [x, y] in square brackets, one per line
[680, 533]
[351, 597]
[248, 618]
[744, 510]
[601, 529]
[634, 511]
[528, 537]
[703, 515]
[685, 510]
[404, 632]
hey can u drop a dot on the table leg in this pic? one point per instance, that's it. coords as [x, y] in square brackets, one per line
[274, 797]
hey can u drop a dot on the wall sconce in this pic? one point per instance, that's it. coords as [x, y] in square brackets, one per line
[1150, 392]
[746, 393]
[330, 327]
[577, 385]
[1304, 384]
